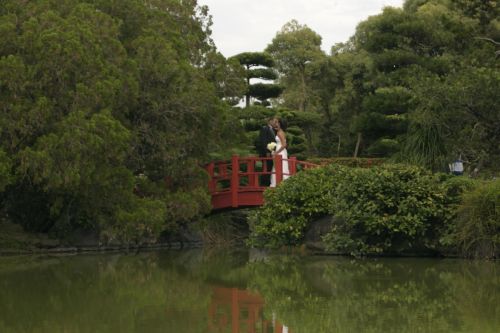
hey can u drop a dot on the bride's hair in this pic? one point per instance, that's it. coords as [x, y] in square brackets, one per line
[283, 124]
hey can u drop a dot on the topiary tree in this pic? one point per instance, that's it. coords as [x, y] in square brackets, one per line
[258, 65]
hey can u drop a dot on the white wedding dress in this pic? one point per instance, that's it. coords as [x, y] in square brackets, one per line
[286, 170]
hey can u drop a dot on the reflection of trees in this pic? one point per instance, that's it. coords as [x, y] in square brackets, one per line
[105, 293]
[171, 291]
[410, 295]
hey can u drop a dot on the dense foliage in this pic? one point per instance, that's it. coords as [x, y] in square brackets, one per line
[418, 84]
[107, 111]
[383, 209]
[477, 229]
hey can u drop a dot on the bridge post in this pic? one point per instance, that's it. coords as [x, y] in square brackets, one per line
[235, 180]
[253, 179]
[211, 182]
[292, 165]
[278, 163]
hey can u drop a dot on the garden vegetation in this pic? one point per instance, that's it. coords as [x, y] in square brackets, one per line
[387, 209]
[108, 110]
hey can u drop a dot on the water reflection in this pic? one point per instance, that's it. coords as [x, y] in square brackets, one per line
[234, 310]
[192, 291]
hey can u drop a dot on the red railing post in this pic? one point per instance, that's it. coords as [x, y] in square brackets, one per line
[222, 167]
[278, 166]
[211, 182]
[292, 165]
[235, 180]
[252, 177]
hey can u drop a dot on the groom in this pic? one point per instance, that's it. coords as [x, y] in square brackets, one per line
[266, 135]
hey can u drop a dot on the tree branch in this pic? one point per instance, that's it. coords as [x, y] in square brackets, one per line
[488, 39]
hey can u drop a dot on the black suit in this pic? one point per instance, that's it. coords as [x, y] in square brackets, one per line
[266, 136]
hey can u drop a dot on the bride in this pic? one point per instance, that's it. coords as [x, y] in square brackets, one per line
[279, 128]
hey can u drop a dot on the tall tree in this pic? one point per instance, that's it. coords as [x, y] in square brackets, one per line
[293, 48]
[107, 110]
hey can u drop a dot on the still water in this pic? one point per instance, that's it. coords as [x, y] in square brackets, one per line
[199, 291]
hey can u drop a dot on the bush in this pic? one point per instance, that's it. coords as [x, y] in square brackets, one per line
[290, 207]
[354, 162]
[455, 187]
[389, 208]
[477, 232]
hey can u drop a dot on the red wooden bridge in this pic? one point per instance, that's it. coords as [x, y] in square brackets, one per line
[237, 183]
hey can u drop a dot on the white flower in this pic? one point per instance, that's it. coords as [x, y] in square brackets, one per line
[271, 146]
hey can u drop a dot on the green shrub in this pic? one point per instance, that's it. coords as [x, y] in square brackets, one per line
[455, 187]
[389, 208]
[477, 232]
[290, 207]
[348, 161]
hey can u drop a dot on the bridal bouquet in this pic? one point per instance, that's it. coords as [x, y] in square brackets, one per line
[271, 146]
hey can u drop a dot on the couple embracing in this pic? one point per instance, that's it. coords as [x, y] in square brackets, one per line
[272, 142]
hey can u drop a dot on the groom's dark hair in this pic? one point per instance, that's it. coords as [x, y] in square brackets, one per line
[283, 123]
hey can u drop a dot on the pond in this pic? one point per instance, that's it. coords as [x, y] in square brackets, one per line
[203, 291]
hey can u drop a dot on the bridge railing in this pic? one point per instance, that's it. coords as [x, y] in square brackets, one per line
[244, 174]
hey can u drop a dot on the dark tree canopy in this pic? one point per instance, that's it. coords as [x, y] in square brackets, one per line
[402, 85]
[251, 59]
[262, 73]
[264, 91]
[107, 110]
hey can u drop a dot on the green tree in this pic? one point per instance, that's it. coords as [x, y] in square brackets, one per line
[108, 111]
[414, 99]
[293, 48]
[227, 76]
[259, 65]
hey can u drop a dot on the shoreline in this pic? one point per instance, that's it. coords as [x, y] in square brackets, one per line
[177, 245]
[101, 249]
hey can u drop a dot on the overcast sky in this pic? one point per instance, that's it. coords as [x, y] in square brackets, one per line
[250, 25]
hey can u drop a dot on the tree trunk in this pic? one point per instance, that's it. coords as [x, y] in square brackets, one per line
[303, 99]
[358, 143]
[338, 148]
[309, 136]
[247, 96]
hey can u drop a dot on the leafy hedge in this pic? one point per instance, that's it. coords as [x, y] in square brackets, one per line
[384, 209]
[387, 209]
[477, 228]
[291, 207]
[348, 161]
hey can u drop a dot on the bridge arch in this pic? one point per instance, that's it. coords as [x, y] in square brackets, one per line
[236, 183]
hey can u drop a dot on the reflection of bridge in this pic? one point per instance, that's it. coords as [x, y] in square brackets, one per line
[241, 311]
[235, 183]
